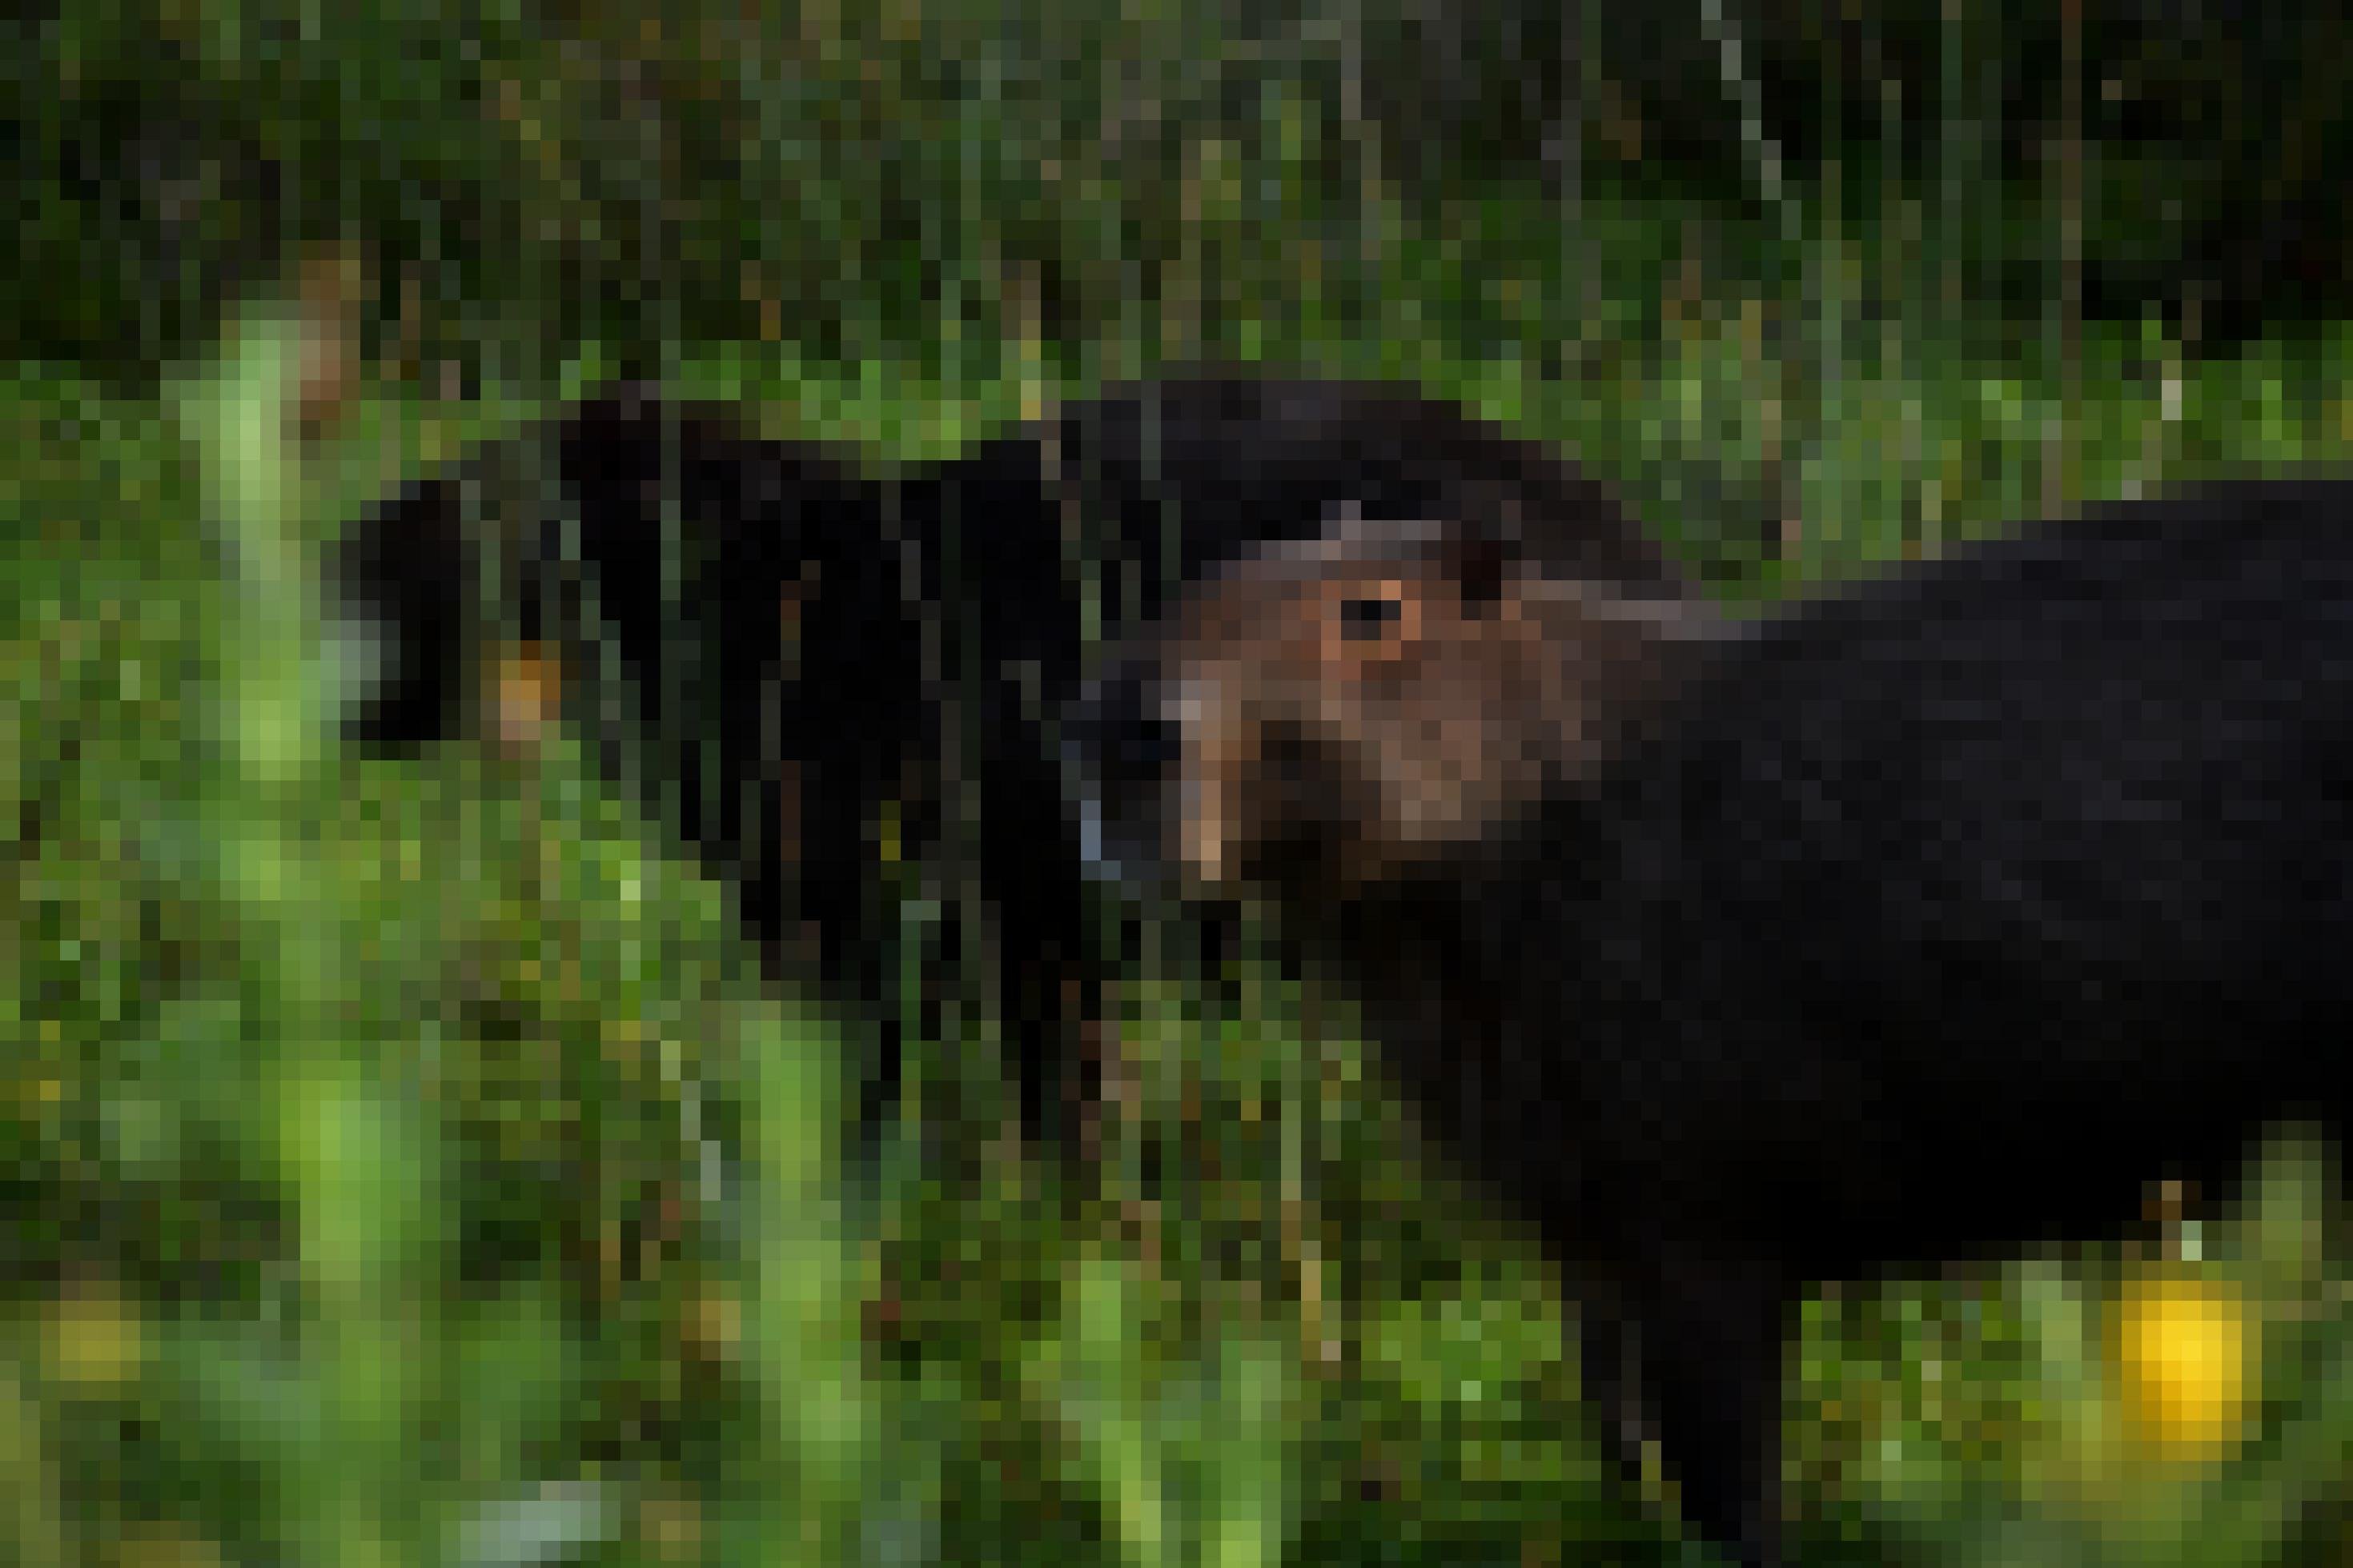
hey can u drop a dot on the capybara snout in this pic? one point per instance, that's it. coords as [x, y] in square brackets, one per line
[1119, 751]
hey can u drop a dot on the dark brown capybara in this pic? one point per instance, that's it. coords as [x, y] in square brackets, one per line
[1925, 922]
[775, 642]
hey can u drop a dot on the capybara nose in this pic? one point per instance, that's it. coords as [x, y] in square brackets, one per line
[1121, 755]
[1116, 736]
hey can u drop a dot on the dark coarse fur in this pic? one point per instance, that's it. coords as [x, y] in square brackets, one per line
[1926, 922]
[664, 545]
[801, 639]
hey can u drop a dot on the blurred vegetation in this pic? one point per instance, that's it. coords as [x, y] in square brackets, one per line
[403, 1163]
[938, 178]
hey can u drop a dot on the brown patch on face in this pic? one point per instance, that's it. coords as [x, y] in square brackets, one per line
[526, 696]
[1371, 705]
[328, 377]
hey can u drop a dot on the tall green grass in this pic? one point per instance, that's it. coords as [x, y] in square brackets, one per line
[404, 1163]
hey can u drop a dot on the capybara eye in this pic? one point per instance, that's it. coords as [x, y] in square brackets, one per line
[1364, 619]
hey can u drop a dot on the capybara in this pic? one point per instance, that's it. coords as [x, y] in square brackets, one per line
[1925, 921]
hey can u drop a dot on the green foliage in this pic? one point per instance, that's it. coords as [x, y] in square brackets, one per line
[412, 1140]
[404, 1162]
[1106, 185]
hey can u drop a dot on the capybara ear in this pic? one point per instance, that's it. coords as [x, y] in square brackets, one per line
[1477, 560]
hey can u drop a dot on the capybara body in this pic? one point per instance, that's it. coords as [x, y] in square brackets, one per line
[1929, 920]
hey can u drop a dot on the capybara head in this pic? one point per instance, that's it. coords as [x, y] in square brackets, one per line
[1317, 716]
